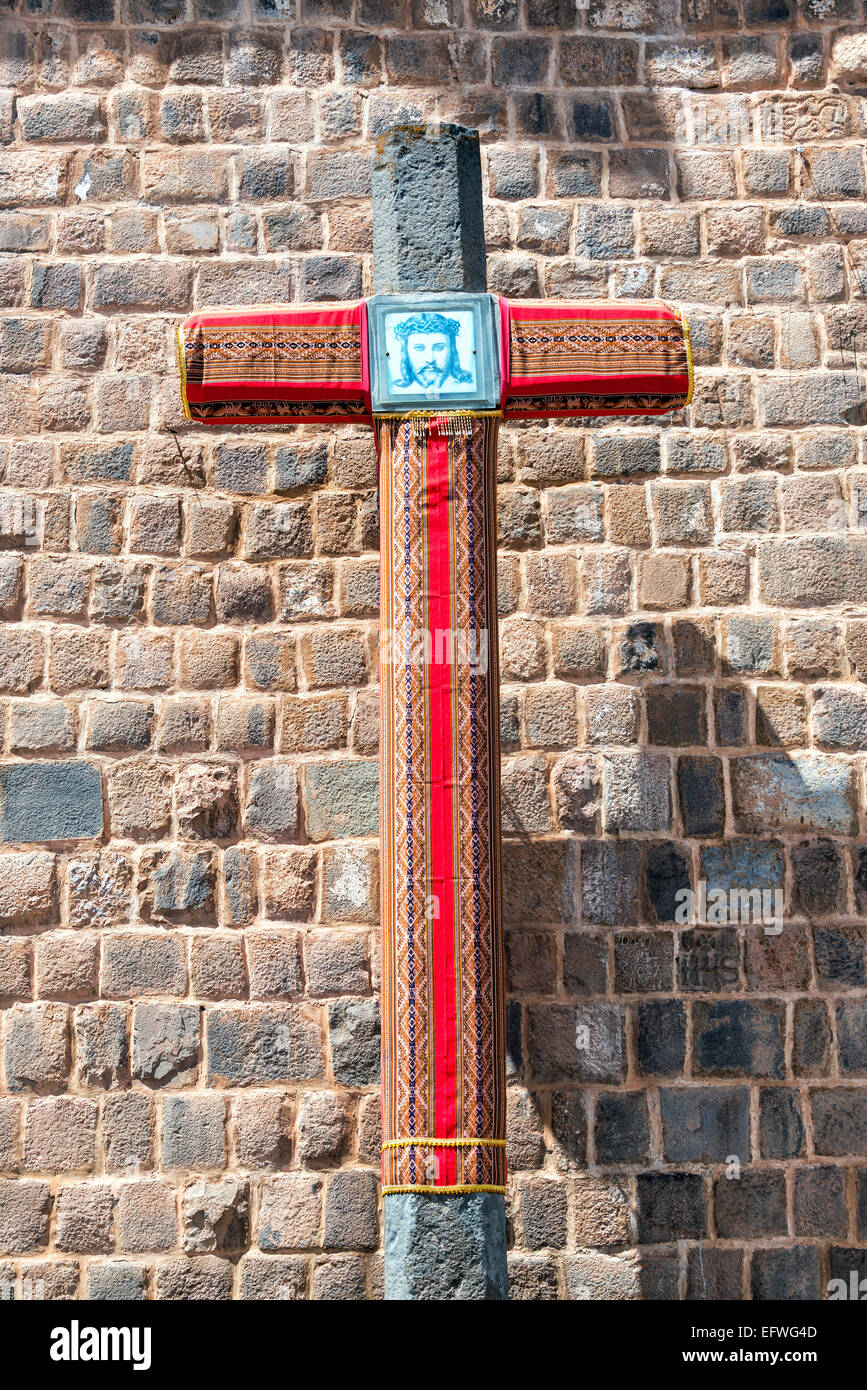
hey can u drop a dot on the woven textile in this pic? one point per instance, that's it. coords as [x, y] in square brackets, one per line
[598, 358]
[275, 366]
[443, 1067]
[281, 366]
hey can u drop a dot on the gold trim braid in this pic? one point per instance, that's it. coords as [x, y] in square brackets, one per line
[182, 368]
[444, 1191]
[443, 1143]
[690, 367]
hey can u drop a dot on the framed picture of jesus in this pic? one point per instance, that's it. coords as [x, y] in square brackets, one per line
[431, 351]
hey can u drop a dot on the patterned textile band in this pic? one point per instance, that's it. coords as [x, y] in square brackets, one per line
[596, 358]
[275, 365]
[443, 1063]
[306, 363]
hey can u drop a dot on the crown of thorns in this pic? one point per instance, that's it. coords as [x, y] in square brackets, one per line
[428, 323]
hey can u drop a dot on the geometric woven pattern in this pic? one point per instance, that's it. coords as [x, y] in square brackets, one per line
[308, 362]
[272, 365]
[598, 357]
[443, 1068]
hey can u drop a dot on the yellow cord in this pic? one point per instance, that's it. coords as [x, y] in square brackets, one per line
[443, 1143]
[443, 1191]
[182, 368]
[689, 362]
[443, 413]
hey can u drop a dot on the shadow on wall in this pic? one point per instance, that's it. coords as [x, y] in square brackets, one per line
[681, 1026]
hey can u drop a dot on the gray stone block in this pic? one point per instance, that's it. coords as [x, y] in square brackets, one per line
[115, 1282]
[428, 232]
[50, 801]
[445, 1248]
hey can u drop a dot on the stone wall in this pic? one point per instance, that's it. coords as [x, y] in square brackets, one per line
[188, 878]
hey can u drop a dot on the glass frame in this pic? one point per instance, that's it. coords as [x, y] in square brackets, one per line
[445, 348]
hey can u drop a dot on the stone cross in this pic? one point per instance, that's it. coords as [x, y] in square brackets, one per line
[440, 377]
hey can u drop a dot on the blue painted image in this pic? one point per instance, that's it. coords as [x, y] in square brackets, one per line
[431, 354]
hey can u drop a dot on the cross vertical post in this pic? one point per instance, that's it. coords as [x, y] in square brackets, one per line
[443, 1077]
[434, 363]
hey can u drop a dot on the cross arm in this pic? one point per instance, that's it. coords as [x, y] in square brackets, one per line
[283, 364]
[599, 357]
[309, 363]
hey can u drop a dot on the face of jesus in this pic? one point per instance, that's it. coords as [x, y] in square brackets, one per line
[429, 358]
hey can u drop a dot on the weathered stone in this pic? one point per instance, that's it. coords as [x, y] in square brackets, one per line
[50, 801]
[215, 1215]
[445, 1248]
[427, 226]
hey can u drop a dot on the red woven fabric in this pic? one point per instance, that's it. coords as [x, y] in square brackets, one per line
[443, 1040]
[596, 358]
[276, 365]
[304, 362]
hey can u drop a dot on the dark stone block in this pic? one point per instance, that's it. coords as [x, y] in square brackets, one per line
[840, 1121]
[536, 114]
[671, 1206]
[353, 1026]
[676, 715]
[514, 1045]
[707, 961]
[658, 1276]
[543, 1214]
[753, 1204]
[739, 1037]
[714, 1275]
[661, 1040]
[666, 873]
[610, 877]
[450, 1247]
[811, 1038]
[849, 1265]
[619, 455]
[786, 1275]
[861, 1202]
[694, 653]
[820, 1202]
[569, 1128]
[640, 647]
[239, 873]
[50, 801]
[350, 1211]
[701, 793]
[643, 962]
[859, 865]
[730, 713]
[817, 878]
[583, 1042]
[852, 1036]
[781, 1124]
[839, 953]
[428, 232]
[591, 119]
[705, 1124]
[622, 1127]
[276, 1043]
[743, 865]
[298, 465]
[585, 963]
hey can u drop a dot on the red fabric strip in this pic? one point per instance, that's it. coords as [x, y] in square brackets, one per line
[334, 314]
[593, 384]
[589, 309]
[441, 791]
[247, 390]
